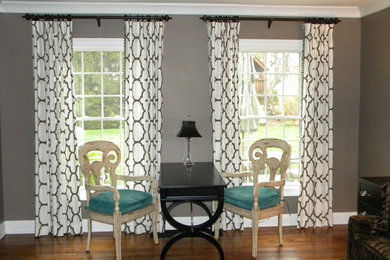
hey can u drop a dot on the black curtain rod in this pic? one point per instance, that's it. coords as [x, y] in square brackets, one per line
[69, 17]
[316, 20]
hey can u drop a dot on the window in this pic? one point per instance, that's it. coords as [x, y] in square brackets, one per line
[97, 78]
[270, 98]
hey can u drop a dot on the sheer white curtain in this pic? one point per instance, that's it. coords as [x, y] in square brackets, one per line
[223, 66]
[143, 101]
[315, 199]
[57, 203]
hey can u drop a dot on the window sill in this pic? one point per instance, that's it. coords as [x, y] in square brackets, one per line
[291, 191]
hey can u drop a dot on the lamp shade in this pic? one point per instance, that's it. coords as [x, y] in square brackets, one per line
[188, 129]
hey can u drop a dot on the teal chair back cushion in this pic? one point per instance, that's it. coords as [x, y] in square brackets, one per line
[242, 197]
[130, 200]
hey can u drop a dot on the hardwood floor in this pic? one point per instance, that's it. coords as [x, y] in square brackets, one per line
[319, 243]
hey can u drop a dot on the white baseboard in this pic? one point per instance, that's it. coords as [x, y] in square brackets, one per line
[27, 226]
[19, 227]
[2, 230]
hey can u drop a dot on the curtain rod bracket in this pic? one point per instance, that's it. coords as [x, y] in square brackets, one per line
[269, 23]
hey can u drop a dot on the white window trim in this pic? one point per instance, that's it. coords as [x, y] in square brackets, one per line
[98, 44]
[251, 45]
[275, 45]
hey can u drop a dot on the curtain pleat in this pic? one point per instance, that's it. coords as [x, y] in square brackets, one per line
[143, 101]
[315, 199]
[223, 65]
[57, 203]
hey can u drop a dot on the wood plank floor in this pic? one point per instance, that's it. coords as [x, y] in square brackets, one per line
[319, 243]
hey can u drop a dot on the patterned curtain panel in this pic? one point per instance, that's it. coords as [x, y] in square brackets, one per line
[57, 203]
[315, 199]
[143, 100]
[223, 64]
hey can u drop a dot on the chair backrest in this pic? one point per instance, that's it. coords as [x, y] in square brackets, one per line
[261, 154]
[99, 160]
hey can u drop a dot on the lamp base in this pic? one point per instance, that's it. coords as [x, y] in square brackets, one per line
[189, 163]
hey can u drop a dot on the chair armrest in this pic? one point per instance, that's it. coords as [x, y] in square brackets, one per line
[114, 191]
[358, 227]
[152, 180]
[256, 190]
[236, 175]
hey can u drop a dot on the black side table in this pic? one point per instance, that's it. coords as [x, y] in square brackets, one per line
[195, 185]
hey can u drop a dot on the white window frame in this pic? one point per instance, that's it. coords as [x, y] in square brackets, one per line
[281, 46]
[100, 45]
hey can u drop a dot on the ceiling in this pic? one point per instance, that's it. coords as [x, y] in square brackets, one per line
[240, 2]
[330, 8]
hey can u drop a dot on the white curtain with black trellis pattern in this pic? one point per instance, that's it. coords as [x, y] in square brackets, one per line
[57, 203]
[315, 199]
[223, 70]
[143, 101]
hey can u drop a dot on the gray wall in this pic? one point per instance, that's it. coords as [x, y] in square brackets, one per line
[1, 180]
[17, 117]
[185, 92]
[374, 140]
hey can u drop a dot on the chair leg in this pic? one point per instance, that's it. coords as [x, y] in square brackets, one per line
[280, 225]
[154, 216]
[217, 225]
[89, 235]
[255, 232]
[117, 234]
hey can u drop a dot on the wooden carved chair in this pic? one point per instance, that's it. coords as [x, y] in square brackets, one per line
[106, 203]
[262, 199]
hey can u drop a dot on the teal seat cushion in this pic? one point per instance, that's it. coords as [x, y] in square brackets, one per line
[242, 197]
[130, 200]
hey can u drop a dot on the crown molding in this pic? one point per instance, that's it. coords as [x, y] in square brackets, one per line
[55, 7]
[373, 7]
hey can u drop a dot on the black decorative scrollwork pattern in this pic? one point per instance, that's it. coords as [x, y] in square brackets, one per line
[57, 203]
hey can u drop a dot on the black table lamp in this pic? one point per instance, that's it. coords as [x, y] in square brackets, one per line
[188, 130]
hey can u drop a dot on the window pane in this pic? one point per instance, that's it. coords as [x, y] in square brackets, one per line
[244, 150]
[294, 149]
[291, 106]
[79, 107]
[291, 62]
[252, 106]
[274, 62]
[79, 130]
[92, 84]
[111, 131]
[293, 172]
[291, 129]
[275, 129]
[111, 84]
[111, 106]
[274, 84]
[76, 61]
[92, 61]
[92, 130]
[248, 87]
[256, 129]
[291, 84]
[78, 84]
[111, 61]
[93, 106]
[274, 106]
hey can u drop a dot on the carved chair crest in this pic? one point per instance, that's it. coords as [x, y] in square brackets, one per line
[108, 158]
[259, 155]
